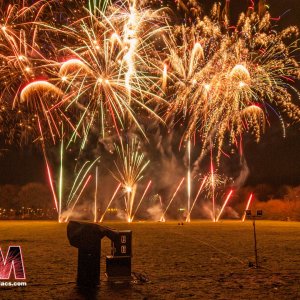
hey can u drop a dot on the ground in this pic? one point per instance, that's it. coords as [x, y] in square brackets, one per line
[201, 260]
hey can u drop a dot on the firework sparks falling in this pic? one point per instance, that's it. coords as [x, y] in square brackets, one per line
[101, 71]
[106, 75]
[130, 167]
[229, 86]
[130, 40]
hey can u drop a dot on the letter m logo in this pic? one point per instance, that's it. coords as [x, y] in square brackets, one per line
[13, 261]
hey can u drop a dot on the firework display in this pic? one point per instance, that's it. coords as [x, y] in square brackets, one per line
[98, 80]
[227, 80]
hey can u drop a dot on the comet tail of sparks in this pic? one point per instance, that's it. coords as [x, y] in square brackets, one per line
[110, 201]
[224, 205]
[247, 207]
[196, 198]
[162, 219]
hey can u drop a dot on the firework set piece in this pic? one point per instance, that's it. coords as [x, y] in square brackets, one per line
[87, 238]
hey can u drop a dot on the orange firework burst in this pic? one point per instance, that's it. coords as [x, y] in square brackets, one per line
[226, 80]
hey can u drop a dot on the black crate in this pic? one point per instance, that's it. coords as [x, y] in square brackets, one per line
[259, 213]
[248, 213]
[118, 267]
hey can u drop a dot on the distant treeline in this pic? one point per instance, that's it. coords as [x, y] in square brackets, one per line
[34, 201]
[277, 203]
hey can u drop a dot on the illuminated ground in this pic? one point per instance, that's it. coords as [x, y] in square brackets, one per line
[197, 261]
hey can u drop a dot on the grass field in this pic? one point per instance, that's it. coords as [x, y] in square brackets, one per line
[201, 260]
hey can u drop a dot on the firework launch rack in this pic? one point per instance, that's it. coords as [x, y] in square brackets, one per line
[249, 215]
[87, 238]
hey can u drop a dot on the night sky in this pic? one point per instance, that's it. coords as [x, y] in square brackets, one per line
[275, 160]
